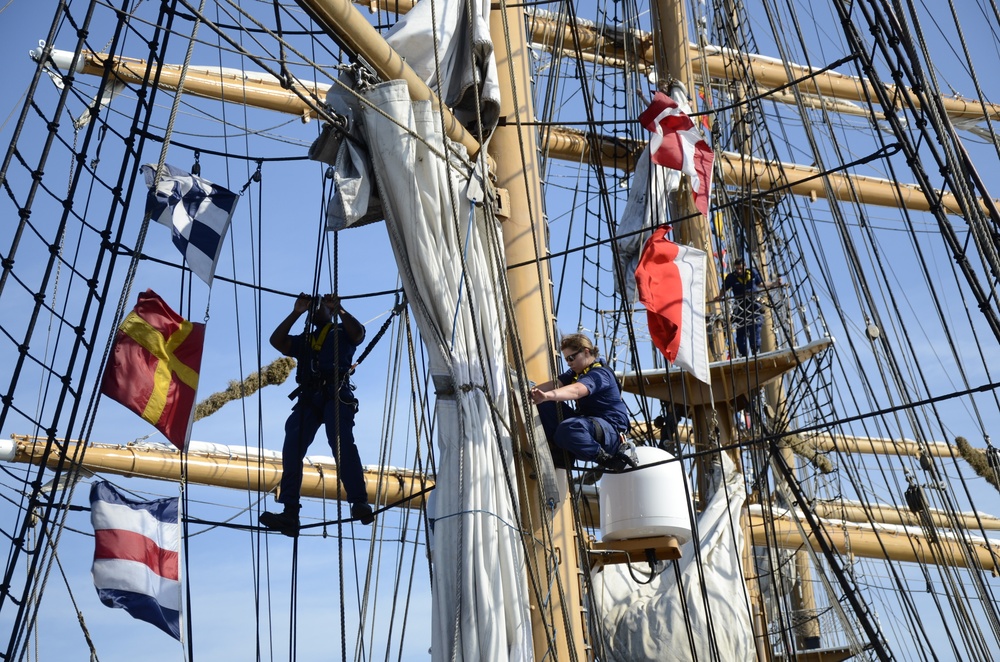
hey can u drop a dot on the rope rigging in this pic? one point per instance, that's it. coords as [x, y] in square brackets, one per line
[899, 386]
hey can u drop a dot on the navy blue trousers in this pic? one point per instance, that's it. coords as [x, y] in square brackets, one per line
[576, 434]
[313, 409]
[749, 334]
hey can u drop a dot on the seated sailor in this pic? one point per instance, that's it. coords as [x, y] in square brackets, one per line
[594, 430]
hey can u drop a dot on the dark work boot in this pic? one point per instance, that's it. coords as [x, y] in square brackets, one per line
[607, 461]
[361, 511]
[286, 522]
[621, 460]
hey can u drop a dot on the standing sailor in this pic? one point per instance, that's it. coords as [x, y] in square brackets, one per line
[594, 430]
[324, 397]
[748, 316]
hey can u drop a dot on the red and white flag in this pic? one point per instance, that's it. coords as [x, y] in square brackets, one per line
[678, 145]
[670, 280]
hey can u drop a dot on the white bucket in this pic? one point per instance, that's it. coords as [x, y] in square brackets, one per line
[646, 502]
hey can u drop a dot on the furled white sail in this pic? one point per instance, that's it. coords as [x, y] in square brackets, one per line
[706, 617]
[447, 43]
[462, 66]
[480, 601]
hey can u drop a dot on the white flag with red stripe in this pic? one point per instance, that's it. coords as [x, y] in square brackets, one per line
[678, 145]
[136, 552]
[670, 280]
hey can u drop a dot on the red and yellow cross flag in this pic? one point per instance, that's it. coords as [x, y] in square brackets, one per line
[153, 369]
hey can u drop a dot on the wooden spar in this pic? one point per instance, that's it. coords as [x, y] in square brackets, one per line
[220, 466]
[853, 533]
[881, 446]
[221, 469]
[825, 443]
[900, 544]
[258, 90]
[764, 176]
[265, 91]
[409, 489]
[852, 511]
[615, 47]
[761, 176]
[345, 24]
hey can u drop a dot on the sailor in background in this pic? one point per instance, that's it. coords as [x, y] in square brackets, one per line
[594, 430]
[324, 397]
[748, 316]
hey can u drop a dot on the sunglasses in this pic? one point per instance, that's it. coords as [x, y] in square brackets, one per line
[571, 357]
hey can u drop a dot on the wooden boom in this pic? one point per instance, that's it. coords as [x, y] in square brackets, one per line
[220, 466]
[225, 466]
[260, 90]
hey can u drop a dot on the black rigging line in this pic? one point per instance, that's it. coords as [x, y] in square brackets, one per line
[850, 340]
[864, 292]
[894, 51]
[875, 637]
[242, 28]
[985, 591]
[225, 154]
[315, 104]
[880, 154]
[125, 250]
[255, 541]
[231, 525]
[949, 505]
[792, 84]
[891, 25]
[38, 503]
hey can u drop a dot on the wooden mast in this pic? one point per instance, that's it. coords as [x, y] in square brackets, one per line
[673, 64]
[514, 147]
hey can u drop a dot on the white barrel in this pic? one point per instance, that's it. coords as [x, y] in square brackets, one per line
[647, 502]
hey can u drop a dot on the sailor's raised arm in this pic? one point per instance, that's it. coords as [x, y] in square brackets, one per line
[354, 329]
[280, 338]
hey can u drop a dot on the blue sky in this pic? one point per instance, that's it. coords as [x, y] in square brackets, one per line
[272, 241]
[277, 222]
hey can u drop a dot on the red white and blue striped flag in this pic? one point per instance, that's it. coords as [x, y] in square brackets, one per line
[136, 550]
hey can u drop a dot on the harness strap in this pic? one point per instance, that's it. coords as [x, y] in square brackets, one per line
[595, 364]
[598, 430]
[316, 342]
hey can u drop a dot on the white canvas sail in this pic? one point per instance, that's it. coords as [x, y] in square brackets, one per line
[450, 48]
[480, 602]
[462, 66]
[705, 617]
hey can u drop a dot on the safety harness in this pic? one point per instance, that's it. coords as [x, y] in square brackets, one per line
[598, 429]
